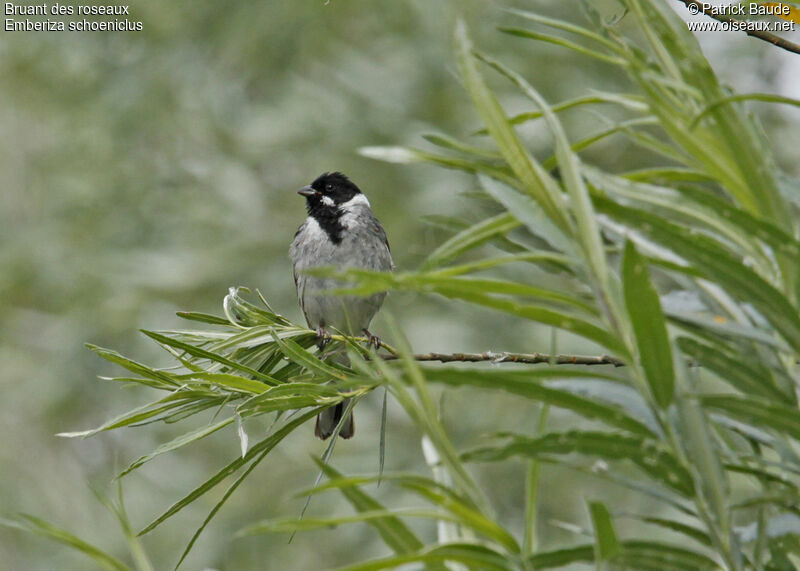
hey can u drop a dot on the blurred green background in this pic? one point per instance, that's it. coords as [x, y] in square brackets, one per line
[145, 173]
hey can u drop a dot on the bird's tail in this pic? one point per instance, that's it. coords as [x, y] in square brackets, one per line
[328, 420]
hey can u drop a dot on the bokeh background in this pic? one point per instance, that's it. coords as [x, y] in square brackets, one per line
[145, 173]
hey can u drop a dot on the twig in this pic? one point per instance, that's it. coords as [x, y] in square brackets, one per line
[527, 358]
[760, 34]
[493, 357]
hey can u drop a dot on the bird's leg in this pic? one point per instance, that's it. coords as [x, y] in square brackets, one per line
[373, 340]
[323, 337]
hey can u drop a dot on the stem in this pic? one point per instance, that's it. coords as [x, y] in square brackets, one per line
[529, 542]
[505, 357]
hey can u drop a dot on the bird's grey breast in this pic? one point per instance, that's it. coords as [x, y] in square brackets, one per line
[363, 245]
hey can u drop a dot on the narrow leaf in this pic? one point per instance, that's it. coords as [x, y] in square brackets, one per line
[203, 354]
[264, 445]
[649, 326]
[649, 455]
[176, 443]
[535, 179]
[756, 411]
[394, 532]
[471, 238]
[41, 527]
[606, 542]
[528, 384]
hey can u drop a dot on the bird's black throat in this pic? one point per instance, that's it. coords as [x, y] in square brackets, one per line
[328, 218]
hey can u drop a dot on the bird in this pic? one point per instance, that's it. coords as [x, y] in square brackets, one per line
[339, 231]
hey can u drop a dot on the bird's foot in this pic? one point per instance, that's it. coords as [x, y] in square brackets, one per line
[372, 340]
[323, 337]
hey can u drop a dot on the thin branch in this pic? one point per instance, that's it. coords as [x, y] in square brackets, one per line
[491, 356]
[527, 358]
[760, 34]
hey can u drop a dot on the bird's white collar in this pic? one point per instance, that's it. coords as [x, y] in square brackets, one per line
[352, 210]
[358, 200]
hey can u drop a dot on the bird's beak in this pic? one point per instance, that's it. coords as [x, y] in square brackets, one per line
[307, 191]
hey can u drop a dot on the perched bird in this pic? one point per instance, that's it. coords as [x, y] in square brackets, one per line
[340, 231]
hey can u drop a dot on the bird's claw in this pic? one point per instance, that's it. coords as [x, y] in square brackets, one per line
[372, 340]
[323, 337]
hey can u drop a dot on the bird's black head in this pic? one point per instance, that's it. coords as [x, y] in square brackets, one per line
[329, 189]
[325, 198]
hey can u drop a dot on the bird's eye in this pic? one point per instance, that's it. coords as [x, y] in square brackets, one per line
[329, 186]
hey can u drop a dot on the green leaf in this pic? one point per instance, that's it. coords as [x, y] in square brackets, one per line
[562, 557]
[140, 560]
[649, 326]
[257, 336]
[533, 177]
[373, 282]
[750, 377]
[409, 481]
[763, 475]
[133, 366]
[567, 27]
[606, 542]
[178, 442]
[203, 354]
[697, 207]
[471, 238]
[667, 174]
[232, 488]
[756, 411]
[561, 320]
[548, 259]
[698, 535]
[766, 97]
[173, 400]
[471, 165]
[705, 463]
[464, 514]
[371, 517]
[394, 532]
[289, 396]
[307, 360]
[422, 409]
[661, 557]
[39, 526]
[243, 313]
[581, 207]
[265, 445]
[716, 263]
[455, 145]
[624, 127]
[382, 441]
[452, 288]
[523, 33]
[629, 101]
[528, 212]
[649, 455]
[203, 317]
[472, 555]
[528, 384]
[563, 297]
[721, 332]
[228, 381]
[633, 555]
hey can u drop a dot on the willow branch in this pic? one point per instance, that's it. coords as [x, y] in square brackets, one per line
[760, 34]
[527, 358]
[491, 356]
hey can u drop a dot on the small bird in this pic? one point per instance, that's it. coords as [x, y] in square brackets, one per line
[340, 231]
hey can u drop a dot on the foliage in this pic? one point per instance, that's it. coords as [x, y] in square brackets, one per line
[710, 412]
